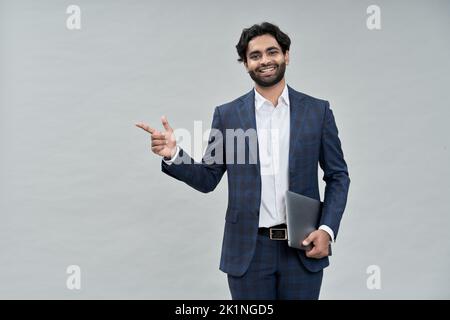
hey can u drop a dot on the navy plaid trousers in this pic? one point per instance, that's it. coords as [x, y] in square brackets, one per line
[275, 272]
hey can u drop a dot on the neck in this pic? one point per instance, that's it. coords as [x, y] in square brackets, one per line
[272, 93]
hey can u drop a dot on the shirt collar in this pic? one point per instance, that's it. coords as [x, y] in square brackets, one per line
[260, 100]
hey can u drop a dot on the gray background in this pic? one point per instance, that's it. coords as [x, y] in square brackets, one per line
[79, 185]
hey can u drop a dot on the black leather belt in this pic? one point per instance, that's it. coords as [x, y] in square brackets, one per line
[278, 232]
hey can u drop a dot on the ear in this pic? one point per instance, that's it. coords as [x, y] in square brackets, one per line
[286, 57]
[246, 66]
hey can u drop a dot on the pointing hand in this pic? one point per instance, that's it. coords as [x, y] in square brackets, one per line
[162, 143]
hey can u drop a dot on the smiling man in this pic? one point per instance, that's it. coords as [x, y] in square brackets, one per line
[266, 63]
[295, 133]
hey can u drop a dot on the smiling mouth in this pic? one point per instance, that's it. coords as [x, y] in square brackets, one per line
[267, 71]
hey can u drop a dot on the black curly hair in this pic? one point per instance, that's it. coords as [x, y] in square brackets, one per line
[258, 30]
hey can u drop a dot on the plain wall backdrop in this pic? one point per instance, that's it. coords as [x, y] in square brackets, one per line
[80, 186]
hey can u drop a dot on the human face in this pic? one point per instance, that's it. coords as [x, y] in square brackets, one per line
[266, 63]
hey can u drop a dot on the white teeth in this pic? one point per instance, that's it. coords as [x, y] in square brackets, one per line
[267, 69]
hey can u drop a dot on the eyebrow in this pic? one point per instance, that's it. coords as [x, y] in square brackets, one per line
[257, 51]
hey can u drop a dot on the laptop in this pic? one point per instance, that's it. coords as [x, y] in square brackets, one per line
[302, 218]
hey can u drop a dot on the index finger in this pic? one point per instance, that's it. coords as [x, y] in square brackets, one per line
[145, 127]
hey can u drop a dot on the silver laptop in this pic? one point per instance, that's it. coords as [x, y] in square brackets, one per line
[302, 218]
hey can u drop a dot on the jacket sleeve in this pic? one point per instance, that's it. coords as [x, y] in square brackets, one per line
[335, 170]
[206, 175]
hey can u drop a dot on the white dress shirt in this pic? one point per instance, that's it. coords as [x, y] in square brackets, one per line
[272, 126]
[273, 129]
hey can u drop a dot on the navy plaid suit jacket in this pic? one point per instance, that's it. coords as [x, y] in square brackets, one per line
[313, 140]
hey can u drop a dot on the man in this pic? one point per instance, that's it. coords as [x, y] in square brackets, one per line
[295, 133]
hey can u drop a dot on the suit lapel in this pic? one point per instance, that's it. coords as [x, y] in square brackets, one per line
[247, 118]
[297, 118]
[247, 111]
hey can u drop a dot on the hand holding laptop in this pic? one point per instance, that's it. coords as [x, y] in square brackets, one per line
[303, 216]
[320, 240]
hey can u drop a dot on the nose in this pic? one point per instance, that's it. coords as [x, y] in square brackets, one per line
[264, 59]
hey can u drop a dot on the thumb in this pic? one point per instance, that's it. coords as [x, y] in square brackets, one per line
[166, 124]
[309, 239]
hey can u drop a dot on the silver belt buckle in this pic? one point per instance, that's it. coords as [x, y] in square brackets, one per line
[272, 235]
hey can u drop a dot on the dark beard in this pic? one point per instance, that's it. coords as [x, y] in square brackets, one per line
[271, 81]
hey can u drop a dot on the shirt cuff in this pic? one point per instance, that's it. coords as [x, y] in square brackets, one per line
[328, 230]
[170, 161]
